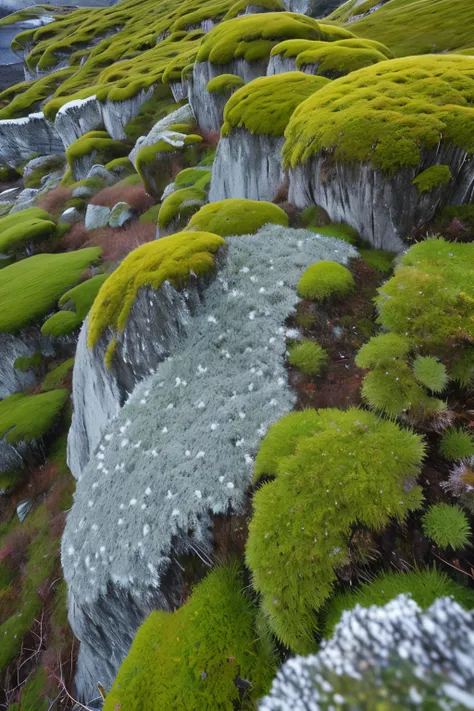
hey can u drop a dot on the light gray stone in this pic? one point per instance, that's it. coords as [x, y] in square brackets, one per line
[21, 345]
[70, 216]
[97, 216]
[117, 114]
[182, 115]
[120, 214]
[21, 137]
[78, 117]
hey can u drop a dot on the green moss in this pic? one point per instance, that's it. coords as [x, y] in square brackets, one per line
[22, 228]
[120, 164]
[425, 586]
[55, 378]
[27, 417]
[325, 280]
[82, 296]
[265, 105]
[24, 363]
[148, 156]
[309, 357]
[431, 373]
[193, 177]
[158, 106]
[61, 323]
[30, 288]
[53, 164]
[339, 231]
[445, 25]
[33, 696]
[150, 215]
[456, 444]
[25, 98]
[8, 480]
[170, 259]
[225, 83]
[240, 7]
[252, 37]
[97, 143]
[448, 526]
[432, 178]
[378, 259]
[237, 216]
[192, 658]
[181, 204]
[332, 469]
[386, 114]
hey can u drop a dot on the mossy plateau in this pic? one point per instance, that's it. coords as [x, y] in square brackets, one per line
[331, 469]
[387, 114]
[30, 288]
[237, 216]
[265, 105]
[28, 226]
[194, 658]
[252, 37]
[171, 259]
[28, 417]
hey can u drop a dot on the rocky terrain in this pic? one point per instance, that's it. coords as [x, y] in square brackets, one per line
[236, 355]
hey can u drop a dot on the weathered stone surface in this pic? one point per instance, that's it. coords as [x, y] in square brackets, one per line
[182, 115]
[247, 166]
[120, 214]
[279, 64]
[97, 216]
[21, 137]
[384, 210]
[207, 107]
[102, 172]
[13, 346]
[77, 117]
[116, 114]
[47, 164]
[70, 216]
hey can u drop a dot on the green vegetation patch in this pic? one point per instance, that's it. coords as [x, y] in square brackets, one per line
[24, 363]
[82, 296]
[237, 216]
[425, 586]
[332, 470]
[252, 37]
[22, 228]
[171, 259]
[265, 105]
[194, 657]
[55, 378]
[98, 143]
[30, 288]
[325, 280]
[448, 526]
[225, 83]
[456, 444]
[309, 357]
[28, 417]
[61, 323]
[240, 7]
[181, 204]
[193, 177]
[339, 230]
[25, 98]
[387, 114]
[432, 178]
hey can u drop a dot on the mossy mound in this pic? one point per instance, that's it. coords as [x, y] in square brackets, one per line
[20, 229]
[96, 144]
[55, 378]
[325, 280]
[333, 59]
[180, 205]
[387, 114]
[225, 83]
[28, 417]
[265, 105]
[425, 586]
[240, 7]
[82, 296]
[448, 526]
[432, 177]
[61, 323]
[419, 26]
[194, 658]
[25, 98]
[309, 357]
[30, 288]
[252, 37]
[171, 259]
[157, 162]
[237, 216]
[332, 470]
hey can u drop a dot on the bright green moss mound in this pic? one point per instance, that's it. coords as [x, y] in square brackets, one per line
[192, 658]
[265, 105]
[419, 26]
[309, 357]
[181, 204]
[332, 469]
[448, 526]
[378, 259]
[82, 296]
[21, 228]
[431, 373]
[98, 143]
[30, 288]
[224, 83]
[237, 216]
[265, 5]
[425, 586]
[170, 259]
[193, 177]
[150, 215]
[252, 37]
[25, 98]
[432, 178]
[387, 114]
[55, 378]
[27, 417]
[324, 280]
[61, 324]
[456, 444]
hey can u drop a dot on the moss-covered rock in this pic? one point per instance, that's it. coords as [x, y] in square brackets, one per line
[93, 147]
[28, 417]
[156, 163]
[237, 217]
[25, 228]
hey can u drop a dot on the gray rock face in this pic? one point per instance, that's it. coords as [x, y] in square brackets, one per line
[45, 164]
[21, 345]
[70, 216]
[207, 107]
[247, 166]
[120, 214]
[116, 114]
[78, 117]
[182, 115]
[20, 138]
[102, 172]
[384, 210]
[97, 216]
[180, 90]
[279, 64]
[197, 421]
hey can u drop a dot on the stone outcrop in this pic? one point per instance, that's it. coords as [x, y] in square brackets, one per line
[21, 137]
[78, 117]
[247, 166]
[21, 345]
[116, 114]
[384, 210]
[182, 115]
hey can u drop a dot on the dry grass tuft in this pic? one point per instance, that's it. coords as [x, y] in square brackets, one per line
[116, 243]
[134, 195]
[53, 201]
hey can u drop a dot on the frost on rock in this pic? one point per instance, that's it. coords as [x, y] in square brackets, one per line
[395, 652]
[182, 446]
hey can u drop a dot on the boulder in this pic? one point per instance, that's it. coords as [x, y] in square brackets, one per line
[21, 137]
[97, 216]
[120, 214]
[21, 345]
[70, 216]
[117, 114]
[182, 115]
[78, 117]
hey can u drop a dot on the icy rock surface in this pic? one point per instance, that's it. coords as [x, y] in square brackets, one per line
[383, 209]
[247, 166]
[436, 646]
[183, 444]
[21, 137]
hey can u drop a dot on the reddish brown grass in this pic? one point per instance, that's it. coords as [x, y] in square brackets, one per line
[116, 243]
[54, 200]
[133, 195]
[210, 139]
